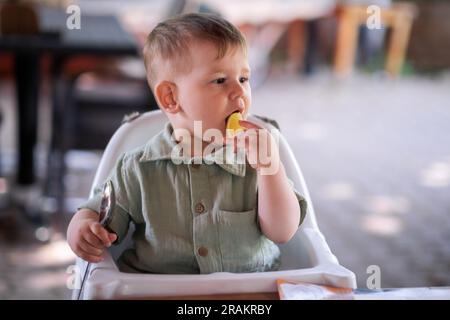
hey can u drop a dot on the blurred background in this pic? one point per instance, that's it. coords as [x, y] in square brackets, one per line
[364, 105]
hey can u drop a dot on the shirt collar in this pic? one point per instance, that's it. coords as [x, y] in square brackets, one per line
[161, 146]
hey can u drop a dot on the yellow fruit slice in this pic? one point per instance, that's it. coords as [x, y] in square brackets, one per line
[233, 125]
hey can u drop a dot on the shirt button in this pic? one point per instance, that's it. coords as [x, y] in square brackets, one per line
[199, 208]
[202, 251]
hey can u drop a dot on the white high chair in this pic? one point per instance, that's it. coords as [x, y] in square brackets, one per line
[306, 257]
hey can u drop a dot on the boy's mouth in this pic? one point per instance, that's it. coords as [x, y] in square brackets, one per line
[226, 119]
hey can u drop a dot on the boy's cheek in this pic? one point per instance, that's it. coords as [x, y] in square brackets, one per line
[248, 105]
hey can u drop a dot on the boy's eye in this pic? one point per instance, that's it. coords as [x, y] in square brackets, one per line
[243, 79]
[219, 80]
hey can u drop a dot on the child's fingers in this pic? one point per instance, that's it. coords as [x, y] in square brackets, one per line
[112, 237]
[101, 233]
[249, 125]
[86, 247]
[93, 240]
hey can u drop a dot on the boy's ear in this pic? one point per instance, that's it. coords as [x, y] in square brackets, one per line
[166, 96]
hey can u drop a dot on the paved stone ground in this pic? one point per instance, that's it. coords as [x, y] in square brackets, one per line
[376, 157]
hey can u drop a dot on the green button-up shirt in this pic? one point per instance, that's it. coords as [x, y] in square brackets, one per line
[189, 218]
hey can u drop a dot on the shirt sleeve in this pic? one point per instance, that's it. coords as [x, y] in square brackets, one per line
[301, 201]
[120, 218]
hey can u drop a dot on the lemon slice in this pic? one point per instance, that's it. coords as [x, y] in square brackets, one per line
[233, 125]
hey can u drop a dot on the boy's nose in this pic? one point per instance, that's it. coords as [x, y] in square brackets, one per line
[237, 91]
[240, 104]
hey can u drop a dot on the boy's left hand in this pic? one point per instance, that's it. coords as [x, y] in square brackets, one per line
[260, 146]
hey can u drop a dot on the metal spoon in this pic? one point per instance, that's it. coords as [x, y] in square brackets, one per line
[105, 215]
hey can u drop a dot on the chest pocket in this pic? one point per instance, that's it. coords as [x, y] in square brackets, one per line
[242, 244]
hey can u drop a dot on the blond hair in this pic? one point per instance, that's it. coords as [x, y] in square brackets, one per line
[169, 40]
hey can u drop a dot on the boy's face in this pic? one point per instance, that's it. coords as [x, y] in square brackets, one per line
[214, 89]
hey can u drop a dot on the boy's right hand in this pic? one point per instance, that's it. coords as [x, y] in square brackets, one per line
[87, 238]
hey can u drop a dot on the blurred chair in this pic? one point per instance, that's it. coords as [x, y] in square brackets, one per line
[95, 104]
[398, 17]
